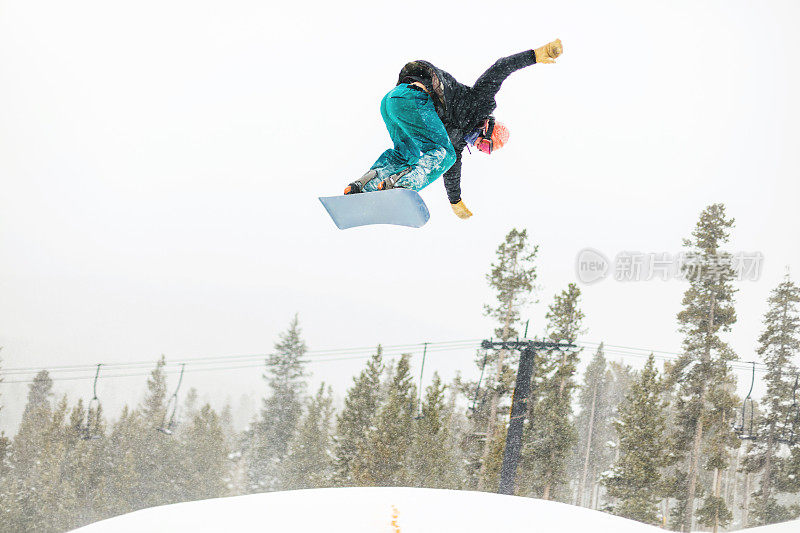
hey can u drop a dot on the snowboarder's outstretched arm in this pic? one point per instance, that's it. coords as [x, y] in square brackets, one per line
[452, 180]
[452, 183]
[491, 80]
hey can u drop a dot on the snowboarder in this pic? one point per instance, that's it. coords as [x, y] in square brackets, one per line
[431, 117]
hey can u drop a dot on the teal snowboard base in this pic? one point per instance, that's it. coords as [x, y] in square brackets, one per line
[400, 207]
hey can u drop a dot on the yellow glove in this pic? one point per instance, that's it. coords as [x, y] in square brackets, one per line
[549, 52]
[461, 210]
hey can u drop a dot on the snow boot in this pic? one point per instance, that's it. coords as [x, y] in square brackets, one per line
[389, 183]
[358, 185]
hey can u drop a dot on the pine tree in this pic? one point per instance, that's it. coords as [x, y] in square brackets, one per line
[190, 407]
[611, 388]
[357, 418]
[156, 451]
[619, 379]
[154, 405]
[643, 446]
[144, 460]
[57, 497]
[779, 342]
[204, 467]
[83, 467]
[432, 463]
[32, 432]
[126, 481]
[594, 427]
[512, 276]
[281, 410]
[550, 434]
[38, 407]
[789, 480]
[309, 463]
[228, 428]
[705, 399]
[41, 497]
[5, 444]
[384, 461]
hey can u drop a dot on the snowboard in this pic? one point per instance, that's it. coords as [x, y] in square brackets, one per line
[400, 207]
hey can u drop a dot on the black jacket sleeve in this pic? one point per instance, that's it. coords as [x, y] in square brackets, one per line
[489, 82]
[452, 180]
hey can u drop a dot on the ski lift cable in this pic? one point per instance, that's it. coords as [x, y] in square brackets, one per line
[671, 356]
[618, 348]
[241, 359]
[313, 357]
[259, 364]
[648, 350]
[397, 348]
[260, 359]
[387, 349]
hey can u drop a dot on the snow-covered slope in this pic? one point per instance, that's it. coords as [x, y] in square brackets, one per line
[377, 510]
[372, 510]
[785, 527]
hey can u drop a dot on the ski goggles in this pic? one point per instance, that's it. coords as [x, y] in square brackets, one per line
[484, 142]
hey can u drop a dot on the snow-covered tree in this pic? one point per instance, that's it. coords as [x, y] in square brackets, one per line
[125, 481]
[357, 418]
[309, 462]
[5, 443]
[40, 496]
[281, 410]
[592, 453]
[83, 466]
[634, 484]
[204, 467]
[154, 405]
[432, 461]
[384, 458]
[155, 450]
[705, 400]
[778, 345]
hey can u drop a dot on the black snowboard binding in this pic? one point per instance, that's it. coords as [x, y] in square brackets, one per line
[358, 185]
[389, 183]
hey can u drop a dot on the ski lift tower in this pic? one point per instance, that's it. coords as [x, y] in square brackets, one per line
[519, 403]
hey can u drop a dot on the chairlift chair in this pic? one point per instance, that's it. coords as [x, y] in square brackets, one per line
[168, 427]
[85, 430]
[419, 414]
[744, 430]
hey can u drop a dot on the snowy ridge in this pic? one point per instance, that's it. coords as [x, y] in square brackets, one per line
[373, 510]
[784, 527]
[378, 510]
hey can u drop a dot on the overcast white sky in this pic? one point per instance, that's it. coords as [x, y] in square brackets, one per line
[160, 163]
